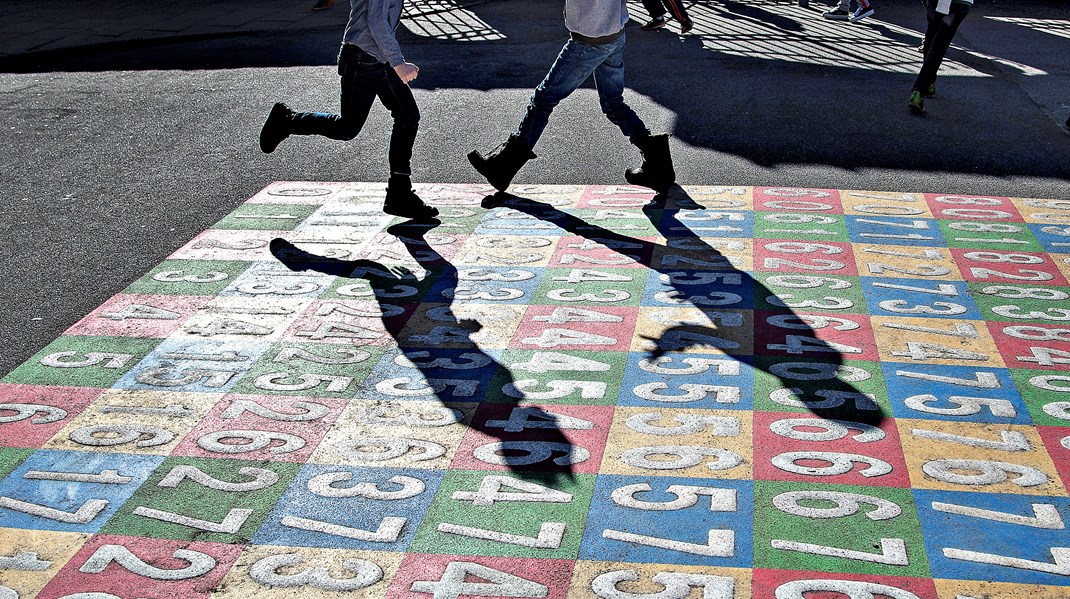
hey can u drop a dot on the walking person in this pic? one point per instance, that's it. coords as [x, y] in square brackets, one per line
[944, 17]
[843, 11]
[657, 11]
[595, 46]
[370, 64]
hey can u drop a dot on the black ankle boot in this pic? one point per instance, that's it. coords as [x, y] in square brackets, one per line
[500, 166]
[656, 172]
[402, 201]
[276, 127]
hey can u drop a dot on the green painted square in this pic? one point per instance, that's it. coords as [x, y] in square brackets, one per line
[1024, 304]
[870, 514]
[822, 294]
[773, 374]
[189, 277]
[266, 217]
[624, 221]
[77, 361]
[1001, 237]
[591, 287]
[10, 458]
[511, 517]
[310, 370]
[800, 227]
[192, 497]
[548, 366]
[1046, 394]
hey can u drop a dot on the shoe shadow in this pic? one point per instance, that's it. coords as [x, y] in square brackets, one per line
[526, 439]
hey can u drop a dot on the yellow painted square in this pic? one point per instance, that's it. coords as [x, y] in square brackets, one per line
[925, 450]
[723, 438]
[399, 422]
[732, 331]
[935, 341]
[55, 548]
[640, 584]
[1063, 260]
[884, 204]
[979, 589]
[271, 561]
[230, 318]
[107, 410]
[906, 262]
[1043, 211]
[488, 326]
[519, 251]
[689, 253]
[713, 197]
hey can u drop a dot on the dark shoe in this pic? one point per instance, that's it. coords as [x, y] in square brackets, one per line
[402, 201]
[929, 93]
[836, 14]
[276, 127]
[323, 5]
[656, 171]
[686, 26]
[501, 165]
[655, 23]
[916, 104]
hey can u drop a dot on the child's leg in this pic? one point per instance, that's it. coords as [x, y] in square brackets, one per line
[942, 30]
[360, 78]
[398, 99]
[573, 66]
[609, 81]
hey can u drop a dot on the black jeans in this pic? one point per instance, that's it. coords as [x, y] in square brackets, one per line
[363, 78]
[938, 36]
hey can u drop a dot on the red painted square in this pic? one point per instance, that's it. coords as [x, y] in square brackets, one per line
[766, 583]
[882, 451]
[794, 199]
[557, 328]
[813, 258]
[984, 208]
[1000, 267]
[579, 252]
[1034, 346]
[568, 431]
[227, 244]
[68, 402]
[423, 569]
[148, 316]
[133, 576]
[1057, 441]
[294, 440]
[615, 197]
[355, 321]
[849, 335]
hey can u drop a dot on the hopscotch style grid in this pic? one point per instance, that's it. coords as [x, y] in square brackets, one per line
[571, 392]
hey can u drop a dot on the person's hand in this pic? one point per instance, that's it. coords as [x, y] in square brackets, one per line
[407, 71]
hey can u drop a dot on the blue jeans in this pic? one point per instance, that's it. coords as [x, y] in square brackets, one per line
[576, 62]
[363, 78]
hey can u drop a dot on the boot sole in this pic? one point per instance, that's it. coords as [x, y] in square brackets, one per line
[477, 161]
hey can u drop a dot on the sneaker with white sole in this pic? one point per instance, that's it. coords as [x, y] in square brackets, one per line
[837, 14]
[861, 13]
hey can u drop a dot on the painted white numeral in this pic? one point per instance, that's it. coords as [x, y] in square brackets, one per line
[722, 426]
[261, 479]
[721, 500]
[1060, 567]
[266, 572]
[550, 535]
[230, 523]
[105, 477]
[1044, 515]
[107, 435]
[847, 504]
[253, 441]
[323, 485]
[893, 551]
[1011, 440]
[839, 463]
[199, 563]
[537, 451]
[83, 515]
[679, 457]
[966, 405]
[852, 588]
[490, 490]
[676, 585]
[312, 411]
[22, 411]
[833, 430]
[455, 582]
[379, 449]
[987, 472]
[389, 529]
[719, 543]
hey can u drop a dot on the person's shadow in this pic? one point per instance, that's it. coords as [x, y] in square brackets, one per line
[530, 441]
[820, 388]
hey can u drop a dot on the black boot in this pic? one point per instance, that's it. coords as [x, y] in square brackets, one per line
[501, 165]
[656, 172]
[276, 128]
[402, 201]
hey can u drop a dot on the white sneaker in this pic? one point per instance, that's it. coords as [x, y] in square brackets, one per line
[861, 13]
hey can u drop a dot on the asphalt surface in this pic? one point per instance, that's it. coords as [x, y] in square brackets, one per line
[114, 154]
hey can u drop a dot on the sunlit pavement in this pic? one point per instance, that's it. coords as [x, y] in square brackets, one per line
[566, 391]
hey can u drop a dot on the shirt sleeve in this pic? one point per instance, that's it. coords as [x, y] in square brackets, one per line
[383, 32]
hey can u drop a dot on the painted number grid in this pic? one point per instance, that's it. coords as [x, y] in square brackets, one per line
[571, 392]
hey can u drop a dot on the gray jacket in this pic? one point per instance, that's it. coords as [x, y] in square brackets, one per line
[595, 18]
[371, 28]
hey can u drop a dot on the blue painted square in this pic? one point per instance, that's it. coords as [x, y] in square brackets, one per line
[493, 284]
[193, 366]
[911, 382]
[888, 230]
[1053, 238]
[919, 298]
[447, 375]
[703, 289]
[618, 507]
[507, 221]
[273, 280]
[355, 498]
[706, 223]
[680, 380]
[945, 532]
[70, 495]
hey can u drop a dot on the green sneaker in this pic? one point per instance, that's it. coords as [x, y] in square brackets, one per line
[931, 92]
[916, 104]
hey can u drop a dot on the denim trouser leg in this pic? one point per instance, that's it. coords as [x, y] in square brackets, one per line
[398, 99]
[609, 80]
